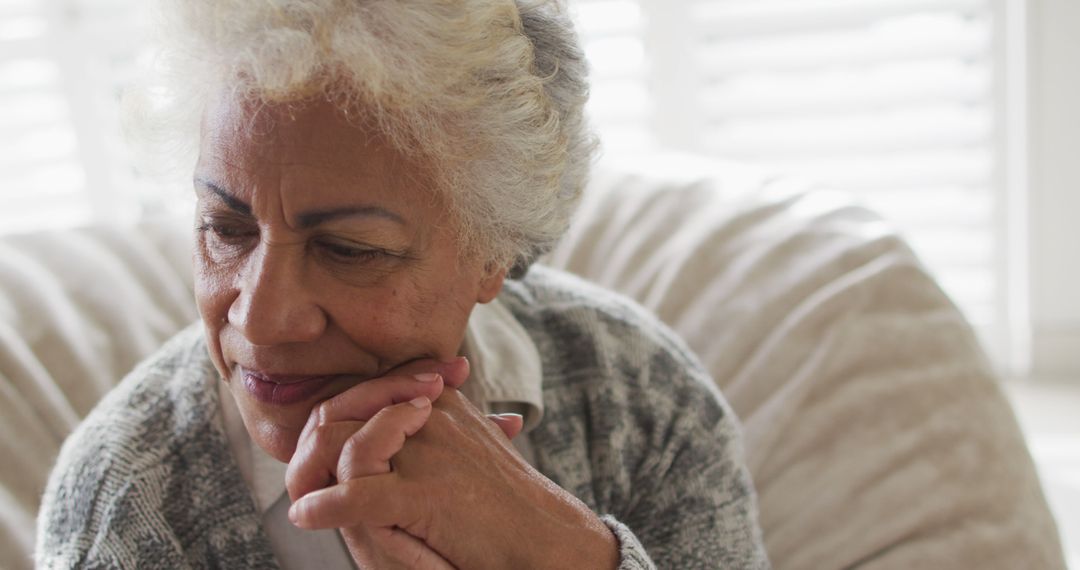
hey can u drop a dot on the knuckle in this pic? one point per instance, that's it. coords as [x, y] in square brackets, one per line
[323, 435]
[322, 413]
[352, 463]
[386, 414]
[439, 416]
[292, 484]
[354, 446]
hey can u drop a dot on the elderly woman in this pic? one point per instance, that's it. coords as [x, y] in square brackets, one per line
[381, 379]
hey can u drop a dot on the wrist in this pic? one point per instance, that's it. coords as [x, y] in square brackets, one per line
[576, 539]
[599, 547]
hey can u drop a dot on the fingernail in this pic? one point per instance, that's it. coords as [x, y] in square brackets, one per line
[459, 361]
[511, 415]
[292, 513]
[420, 402]
[427, 377]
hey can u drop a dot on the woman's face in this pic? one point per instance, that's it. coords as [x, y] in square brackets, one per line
[322, 260]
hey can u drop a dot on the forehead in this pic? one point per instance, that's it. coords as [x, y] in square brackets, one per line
[309, 150]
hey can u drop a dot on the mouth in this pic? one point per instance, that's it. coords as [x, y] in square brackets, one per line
[282, 390]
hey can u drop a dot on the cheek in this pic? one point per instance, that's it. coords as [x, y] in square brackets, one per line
[379, 319]
[213, 293]
[406, 320]
[213, 296]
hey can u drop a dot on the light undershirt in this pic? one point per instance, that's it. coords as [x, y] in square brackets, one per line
[505, 377]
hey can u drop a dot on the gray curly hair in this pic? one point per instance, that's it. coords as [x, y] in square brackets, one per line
[490, 92]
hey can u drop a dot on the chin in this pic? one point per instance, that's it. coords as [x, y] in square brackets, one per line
[273, 427]
[281, 446]
[276, 433]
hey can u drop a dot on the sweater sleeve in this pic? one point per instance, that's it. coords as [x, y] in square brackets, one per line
[689, 502]
[635, 428]
[147, 479]
[632, 555]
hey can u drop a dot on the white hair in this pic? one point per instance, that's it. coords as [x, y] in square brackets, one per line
[489, 92]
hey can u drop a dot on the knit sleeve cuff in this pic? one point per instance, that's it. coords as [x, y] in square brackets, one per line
[632, 555]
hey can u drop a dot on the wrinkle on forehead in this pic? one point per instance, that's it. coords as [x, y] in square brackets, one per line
[310, 157]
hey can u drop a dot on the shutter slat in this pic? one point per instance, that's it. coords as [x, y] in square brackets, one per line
[616, 57]
[27, 74]
[844, 91]
[45, 211]
[22, 28]
[905, 129]
[625, 137]
[955, 207]
[33, 110]
[941, 36]
[607, 17]
[731, 18]
[902, 170]
[58, 139]
[66, 179]
[619, 99]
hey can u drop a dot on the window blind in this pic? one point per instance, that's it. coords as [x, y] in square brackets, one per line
[892, 101]
[62, 67]
[621, 100]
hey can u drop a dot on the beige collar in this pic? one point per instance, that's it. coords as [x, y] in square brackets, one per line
[505, 377]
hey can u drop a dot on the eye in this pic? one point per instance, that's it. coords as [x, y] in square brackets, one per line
[350, 253]
[226, 239]
[227, 230]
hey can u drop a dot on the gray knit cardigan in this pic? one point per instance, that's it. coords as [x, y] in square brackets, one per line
[632, 426]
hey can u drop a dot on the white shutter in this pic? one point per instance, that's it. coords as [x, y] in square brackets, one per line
[40, 175]
[893, 101]
[620, 104]
[62, 65]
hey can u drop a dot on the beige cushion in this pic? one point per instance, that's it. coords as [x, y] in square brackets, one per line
[875, 430]
[77, 310]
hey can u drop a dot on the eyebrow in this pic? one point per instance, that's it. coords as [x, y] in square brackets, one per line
[307, 219]
[231, 201]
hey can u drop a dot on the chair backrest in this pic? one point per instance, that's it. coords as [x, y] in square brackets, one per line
[78, 309]
[875, 430]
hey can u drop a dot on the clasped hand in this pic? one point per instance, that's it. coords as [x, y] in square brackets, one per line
[414, 476]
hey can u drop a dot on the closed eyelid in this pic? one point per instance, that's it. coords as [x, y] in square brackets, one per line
[352, 244]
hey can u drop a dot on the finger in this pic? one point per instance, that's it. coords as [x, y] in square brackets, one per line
[454, 372]
[369, 501]
[394, 548]
[510, 424]
[314, 464]
[364, 400]
[368, 451]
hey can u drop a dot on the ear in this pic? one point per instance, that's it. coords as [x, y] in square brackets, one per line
[491, 283]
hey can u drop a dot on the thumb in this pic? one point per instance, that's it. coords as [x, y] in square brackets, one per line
[454, 372]
[510, 424]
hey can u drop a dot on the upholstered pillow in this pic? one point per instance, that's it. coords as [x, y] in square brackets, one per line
[78, 309]
[876, 432]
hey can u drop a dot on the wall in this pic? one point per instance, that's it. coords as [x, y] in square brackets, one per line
[1054, 114]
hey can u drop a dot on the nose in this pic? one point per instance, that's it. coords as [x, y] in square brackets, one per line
[274, 305]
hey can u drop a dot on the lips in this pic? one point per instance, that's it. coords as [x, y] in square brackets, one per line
[282, 390]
